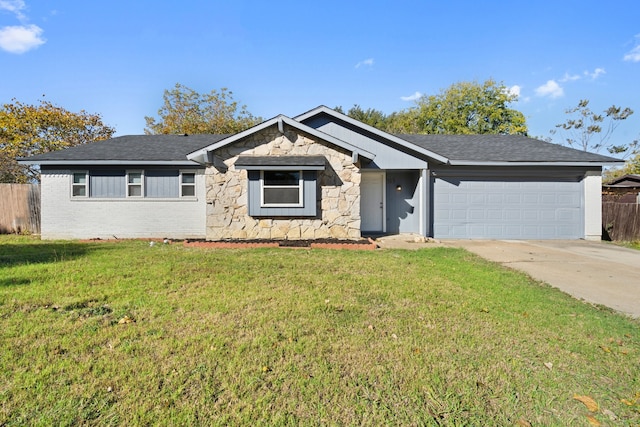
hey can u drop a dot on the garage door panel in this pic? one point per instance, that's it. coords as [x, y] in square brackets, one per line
[508, 209]
[512, 198]
[494, 214]
[477, 199]
[477, 214]
[459, 199]
[458, 214]
[494, 198]
[512, 215]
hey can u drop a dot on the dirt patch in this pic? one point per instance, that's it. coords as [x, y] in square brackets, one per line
[362, 244]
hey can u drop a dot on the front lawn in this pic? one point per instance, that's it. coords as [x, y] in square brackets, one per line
[129, 334]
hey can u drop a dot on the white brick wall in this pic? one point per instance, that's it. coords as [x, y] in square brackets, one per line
[64, 218]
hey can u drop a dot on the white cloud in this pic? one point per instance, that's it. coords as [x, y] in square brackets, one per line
[514, 90]
[596, 73]
[551, 89]
[634, 54]
[13, 6]
[569, 77]
[20, 39]
[413, 97]
[368, 62]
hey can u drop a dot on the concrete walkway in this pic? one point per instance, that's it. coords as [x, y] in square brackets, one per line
[597, 272]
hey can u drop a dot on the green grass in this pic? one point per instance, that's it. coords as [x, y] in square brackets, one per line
[633, 244]
[299, 337]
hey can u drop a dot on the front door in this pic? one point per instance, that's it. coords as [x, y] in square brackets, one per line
[372, 202]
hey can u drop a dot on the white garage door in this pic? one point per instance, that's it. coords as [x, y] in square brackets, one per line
[482, 208]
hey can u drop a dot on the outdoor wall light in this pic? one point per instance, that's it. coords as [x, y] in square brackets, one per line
[398, 187]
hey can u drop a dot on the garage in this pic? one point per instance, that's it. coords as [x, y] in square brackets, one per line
[508, 207]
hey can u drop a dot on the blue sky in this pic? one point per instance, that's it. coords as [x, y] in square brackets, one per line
[116, 58]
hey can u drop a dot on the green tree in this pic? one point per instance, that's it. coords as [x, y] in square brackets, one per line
[26, 130]
[185, 111]
[631, 166]
[463, 108]
[590, 131]
[370, 116]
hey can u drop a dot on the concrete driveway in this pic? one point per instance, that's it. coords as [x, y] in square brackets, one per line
[596, 272]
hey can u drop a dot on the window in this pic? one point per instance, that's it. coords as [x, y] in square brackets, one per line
[188, 184]
[134, 184]
[153, 183]
[79, 184]
[281, 188]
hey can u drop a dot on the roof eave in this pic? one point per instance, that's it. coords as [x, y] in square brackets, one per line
[108, 162]
[525, 163]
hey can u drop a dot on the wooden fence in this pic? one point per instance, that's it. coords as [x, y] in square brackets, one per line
[621, 221]
[19, 208]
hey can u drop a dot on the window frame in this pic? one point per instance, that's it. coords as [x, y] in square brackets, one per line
[75, 184]
[299, 186]
[130, 184]
[184, 185]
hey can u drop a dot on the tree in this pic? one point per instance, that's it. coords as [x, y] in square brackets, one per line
[186, 111]
[463, 108]
[370, 116]
[631, 166]
[590, 131]
[26, 130]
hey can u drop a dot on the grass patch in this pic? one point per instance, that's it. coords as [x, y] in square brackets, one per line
[633, 244]
[127, 334]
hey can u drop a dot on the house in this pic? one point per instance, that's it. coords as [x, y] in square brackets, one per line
[625, 189]
[320, 175]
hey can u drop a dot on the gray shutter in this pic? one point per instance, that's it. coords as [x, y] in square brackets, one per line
[162, 183]
[107, 183]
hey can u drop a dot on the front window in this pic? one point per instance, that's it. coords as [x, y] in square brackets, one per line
[134, 184]
[188, 184]
[281, 188]
[79, 185]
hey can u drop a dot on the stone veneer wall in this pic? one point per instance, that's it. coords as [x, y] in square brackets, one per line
[338, 193]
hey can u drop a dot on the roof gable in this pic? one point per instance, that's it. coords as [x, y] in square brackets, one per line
[365, 129]
[202, 155]
[630, 180]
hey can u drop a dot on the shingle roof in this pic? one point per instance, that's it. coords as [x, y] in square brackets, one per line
[133, 148]
[630, 180]
[455, 148]
[501, 148]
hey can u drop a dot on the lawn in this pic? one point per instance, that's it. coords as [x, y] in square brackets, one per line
[128, 334]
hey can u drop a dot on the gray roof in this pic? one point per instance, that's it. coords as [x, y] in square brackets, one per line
[132, 148]
[630, 180]
[501, 148]
[456, 149]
